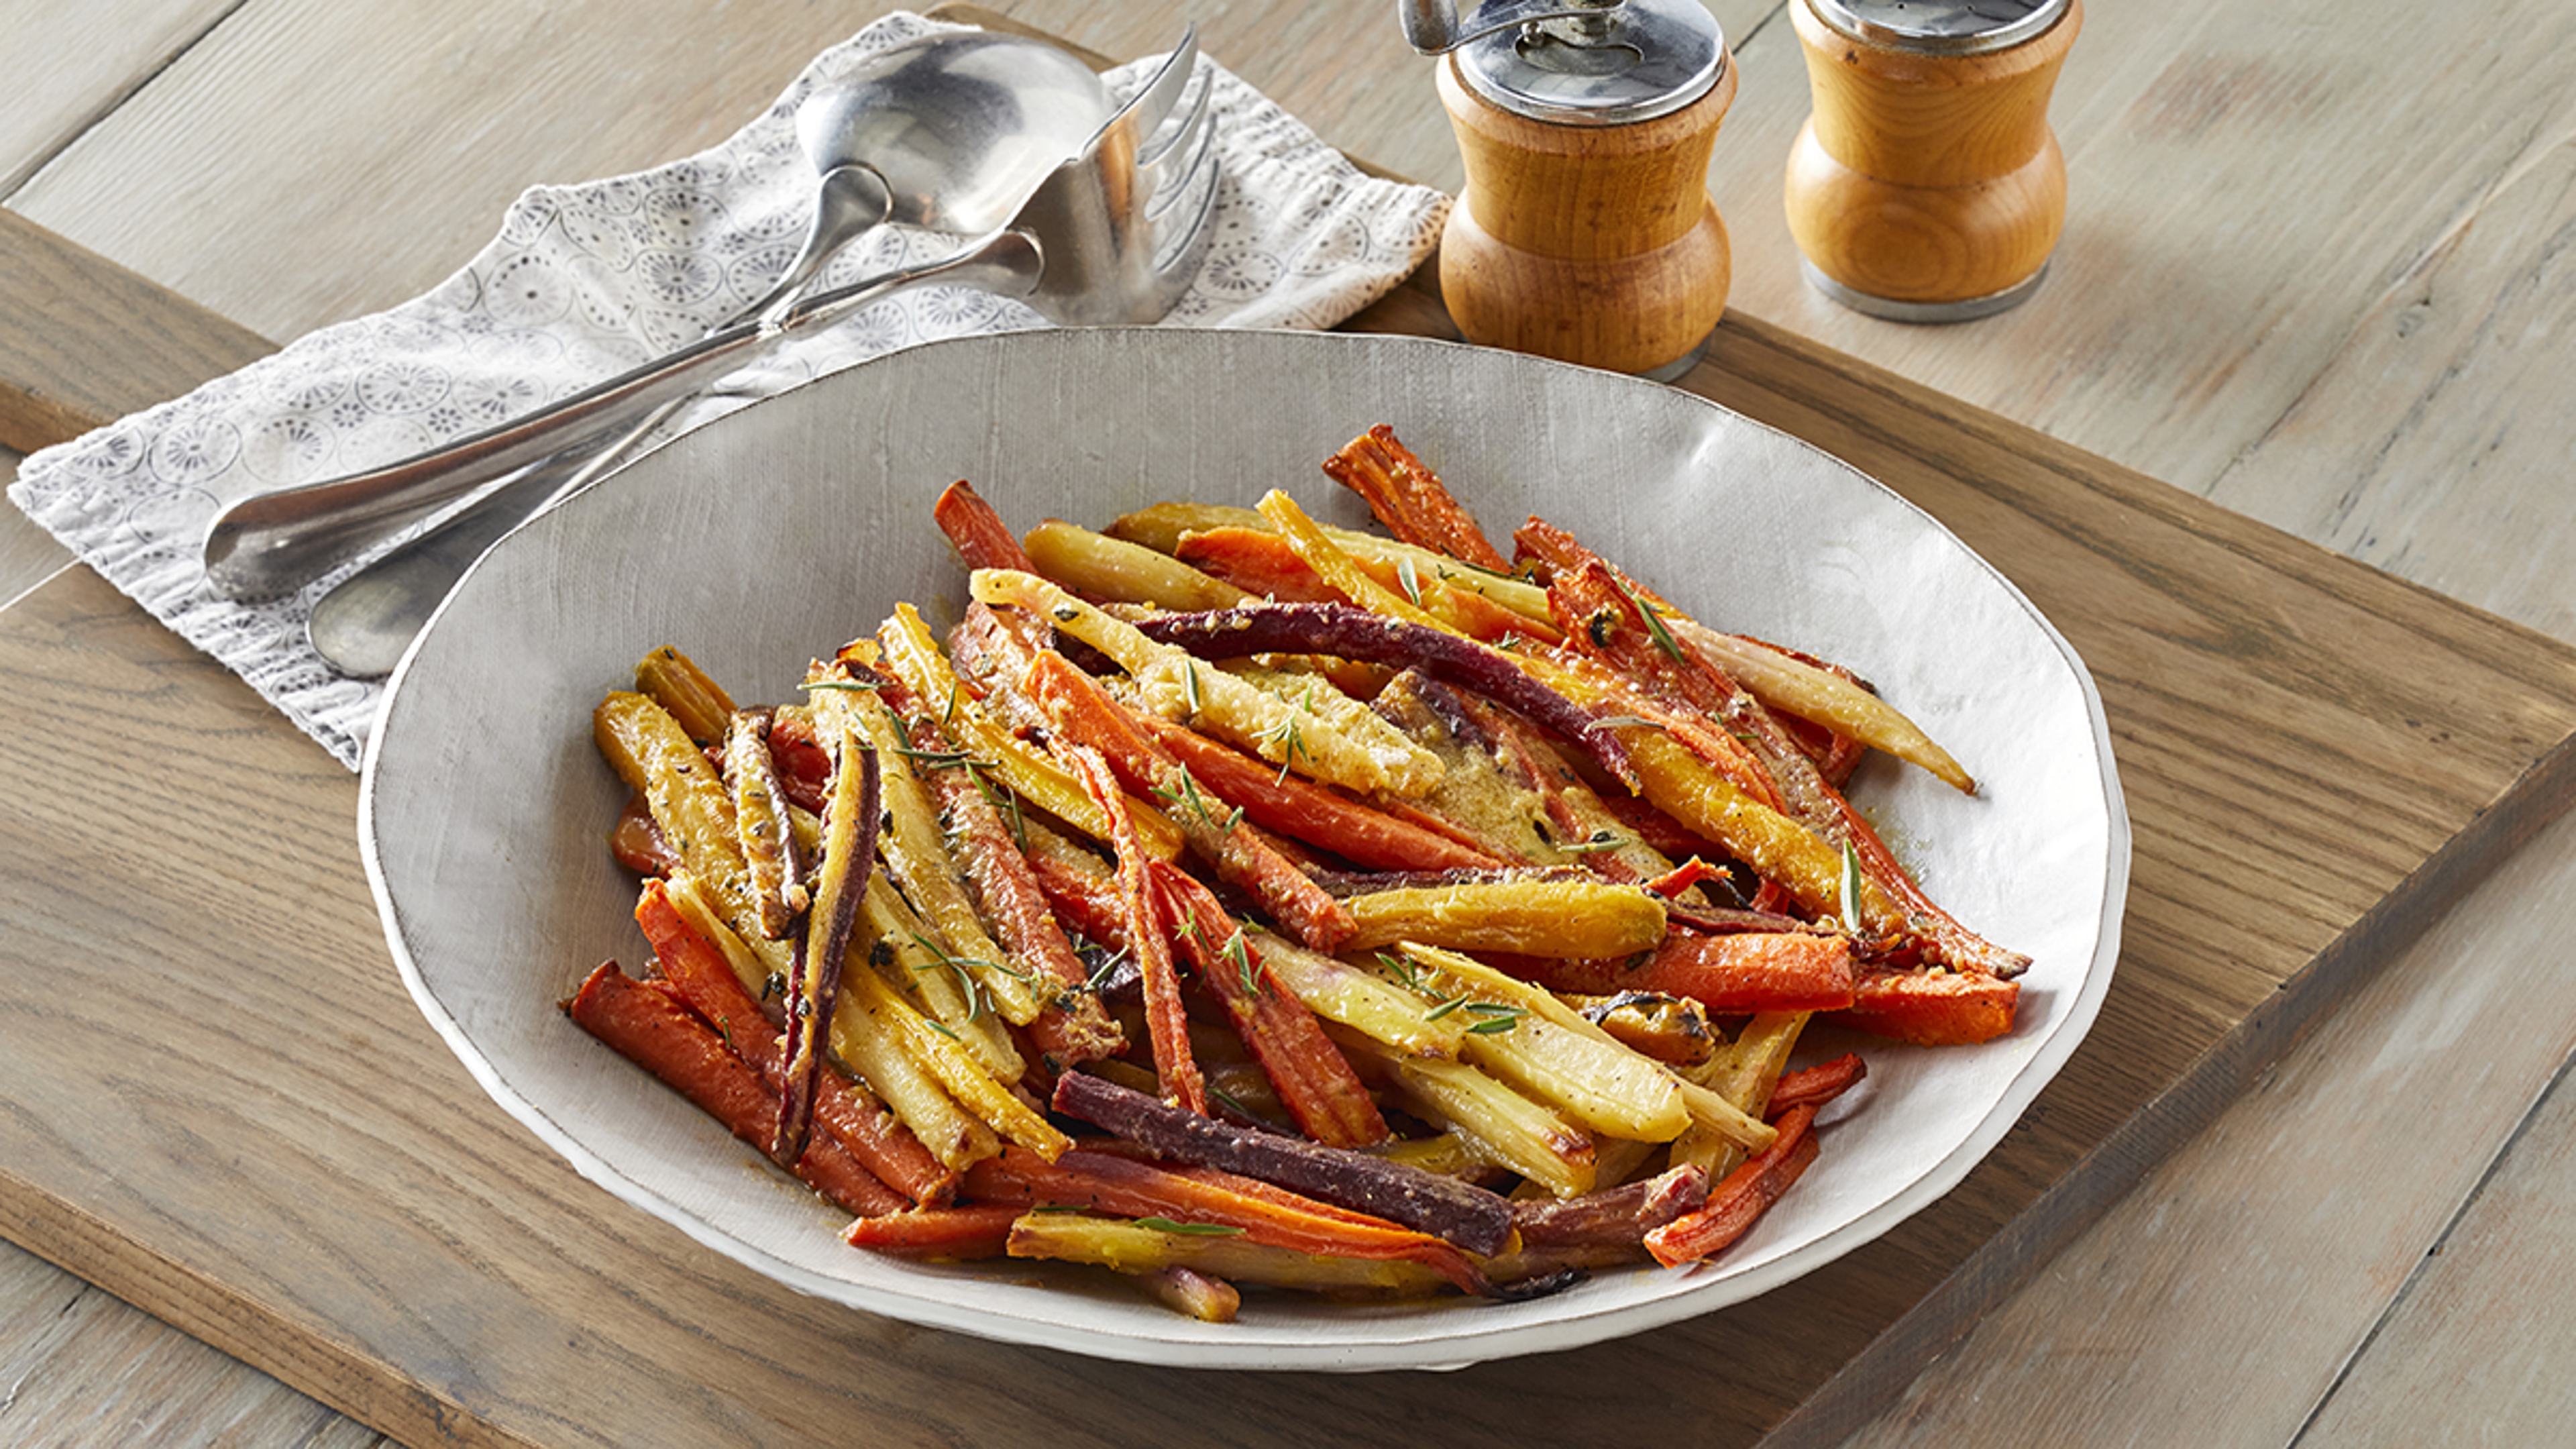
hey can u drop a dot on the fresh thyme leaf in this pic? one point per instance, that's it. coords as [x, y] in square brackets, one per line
[944, 759]
[1101, 973]
[1190, 687]
[1654, 621]
[1404, 575]
[1188, 795]
[1288, 736]
[978, 1000]
[1598, 841]
[855, 686]
[1241, 955]
[1444, 1008]
[1851, 889]
[1195, 1230]
[1402, 968]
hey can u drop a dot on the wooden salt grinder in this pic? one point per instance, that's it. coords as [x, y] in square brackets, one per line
[1585, 231]
[1927, 186]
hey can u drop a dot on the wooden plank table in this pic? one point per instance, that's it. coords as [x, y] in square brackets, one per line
[324, 1193]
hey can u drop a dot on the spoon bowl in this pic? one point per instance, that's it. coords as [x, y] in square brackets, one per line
[959, 127]
[948, 132]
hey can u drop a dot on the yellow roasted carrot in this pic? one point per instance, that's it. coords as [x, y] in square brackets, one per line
[1572, 916]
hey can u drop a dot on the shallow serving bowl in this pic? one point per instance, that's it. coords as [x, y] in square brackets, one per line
[774, 534]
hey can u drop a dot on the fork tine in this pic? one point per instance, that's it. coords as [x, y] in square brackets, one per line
[1153, 105]
[1181, 237]
[1178, 139]
[1181, 160]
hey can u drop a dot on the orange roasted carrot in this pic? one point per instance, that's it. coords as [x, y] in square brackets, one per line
[1149, 939]
[1317, 814]
[1815, 1086]
[648, 1025]
[1071, 1026]
[1082, 712]
[1728, 973]
[1256, 561]
[955, 1234]
[1082, 892]
[981, 538]
[1612, 608]
[1262, 562]
[1134, 1189]
[1314, 1080]
[1932, 1008]
[698, 971]
[804, 766]
[1410, 499]
[1731, 973]
[1733, 1204]
[1605, 622]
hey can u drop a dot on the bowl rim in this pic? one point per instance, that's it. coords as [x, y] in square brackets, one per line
[1458, 1339]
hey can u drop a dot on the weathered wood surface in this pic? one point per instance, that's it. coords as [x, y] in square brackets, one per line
[27, 553]
[2260, 1289]
[72, 63]
[2295, 279]
[85, 337]
[460, 1275]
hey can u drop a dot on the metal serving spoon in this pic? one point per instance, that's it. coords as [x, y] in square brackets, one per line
[950, 131]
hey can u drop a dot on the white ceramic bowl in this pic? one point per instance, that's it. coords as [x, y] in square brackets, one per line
[775, 533]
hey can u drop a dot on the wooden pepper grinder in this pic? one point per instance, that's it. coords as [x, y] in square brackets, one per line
[1927, 186]
[1585, 231]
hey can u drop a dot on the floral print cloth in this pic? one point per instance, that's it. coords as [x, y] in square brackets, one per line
[586, 281]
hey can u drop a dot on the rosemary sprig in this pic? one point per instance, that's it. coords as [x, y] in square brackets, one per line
[853, 686]
[944, 759]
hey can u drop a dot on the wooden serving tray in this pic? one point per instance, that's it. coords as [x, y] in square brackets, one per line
[221, 1105]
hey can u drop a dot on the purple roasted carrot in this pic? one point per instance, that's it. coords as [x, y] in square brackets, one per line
[1350, 633]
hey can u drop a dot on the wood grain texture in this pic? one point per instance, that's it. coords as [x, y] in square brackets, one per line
[79, 1367]
[2236, 1299]
[27, 553]
[72, 62]
[412, 1257]
[1928, 178]
[88, 341]
[2477, 1345]
[1589, 244]
[2251, 193]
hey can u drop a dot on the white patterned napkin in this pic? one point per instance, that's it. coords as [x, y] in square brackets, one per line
[586, 281]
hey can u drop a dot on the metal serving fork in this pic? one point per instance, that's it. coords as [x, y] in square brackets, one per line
[1112, 235]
